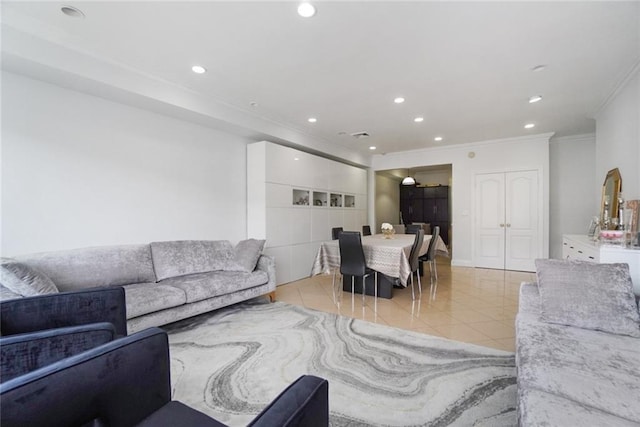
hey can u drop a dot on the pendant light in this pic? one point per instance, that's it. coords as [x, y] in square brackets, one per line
[408, 180]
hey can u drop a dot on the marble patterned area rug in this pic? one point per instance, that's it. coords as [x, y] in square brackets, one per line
[232, 362]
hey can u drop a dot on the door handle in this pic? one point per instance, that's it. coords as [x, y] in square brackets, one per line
[508, 225]
[501, 225]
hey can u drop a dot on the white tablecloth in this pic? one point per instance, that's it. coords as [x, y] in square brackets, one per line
[387, 256]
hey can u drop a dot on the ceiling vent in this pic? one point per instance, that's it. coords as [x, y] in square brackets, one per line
[359, 135]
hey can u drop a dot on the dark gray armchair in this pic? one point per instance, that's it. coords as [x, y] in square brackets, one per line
[63, 309]
[126, 383]
[40, 330]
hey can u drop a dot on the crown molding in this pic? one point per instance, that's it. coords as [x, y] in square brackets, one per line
[457, 147]
[635, 69]
[587, 137]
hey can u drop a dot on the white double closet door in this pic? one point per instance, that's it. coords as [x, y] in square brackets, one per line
[508, 215]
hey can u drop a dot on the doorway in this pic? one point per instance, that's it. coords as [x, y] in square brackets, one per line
[427, 201]
[508, 216]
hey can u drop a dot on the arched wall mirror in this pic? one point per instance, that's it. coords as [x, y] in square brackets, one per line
[610, 190]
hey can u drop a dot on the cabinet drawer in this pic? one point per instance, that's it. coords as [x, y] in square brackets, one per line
[586, 255]
[578, 251]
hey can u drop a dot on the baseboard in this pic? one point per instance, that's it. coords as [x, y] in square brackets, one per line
[461, 263]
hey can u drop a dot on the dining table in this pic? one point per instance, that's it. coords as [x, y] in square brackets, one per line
[388, 256]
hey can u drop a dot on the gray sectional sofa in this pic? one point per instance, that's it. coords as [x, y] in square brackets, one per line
[164, 281]
[578, 347]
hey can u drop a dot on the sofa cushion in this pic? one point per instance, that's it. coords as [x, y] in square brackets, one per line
[24, 280]
[176, 413]
[182, 257]
[592, 368]
[145, 298]
[96, 266]
[245, 255]
[588, 295]
[201, 286]
[537, 408]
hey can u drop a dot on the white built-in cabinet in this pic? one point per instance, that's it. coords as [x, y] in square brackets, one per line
[508, 220]
[294, 199]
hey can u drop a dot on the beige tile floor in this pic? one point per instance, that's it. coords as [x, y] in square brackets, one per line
[468, 304]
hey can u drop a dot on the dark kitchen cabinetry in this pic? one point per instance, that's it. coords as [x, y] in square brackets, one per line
[426, 204]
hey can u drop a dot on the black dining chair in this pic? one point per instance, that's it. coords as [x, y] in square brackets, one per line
[366, 230]
[414, 261]
[335, 232]
[430, 256]
[353, 262]
[412, 228]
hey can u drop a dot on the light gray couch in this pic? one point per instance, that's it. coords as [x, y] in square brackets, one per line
[570, 376]
[164, 281]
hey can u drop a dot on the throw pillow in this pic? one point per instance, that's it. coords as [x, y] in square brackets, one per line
[588, 295]
[24, 280]
[245, 255]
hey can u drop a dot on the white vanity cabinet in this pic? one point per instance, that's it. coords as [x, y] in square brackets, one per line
[579, 247]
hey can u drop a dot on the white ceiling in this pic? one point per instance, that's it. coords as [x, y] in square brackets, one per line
[466, 67]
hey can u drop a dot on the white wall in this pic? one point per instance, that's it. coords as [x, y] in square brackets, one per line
[387, 202]
[489, 156]
[25, 52]
[571, 206]
[78, 170]
[618, 138]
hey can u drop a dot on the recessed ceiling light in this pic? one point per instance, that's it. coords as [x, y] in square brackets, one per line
[71, 11]
[418, 119]
[399, 100]
[373, 147]
[539, 67]
[437, 138]
[296, 158]
[312, 120]
[535, 98]
[198, 69]
[306, 10]
[529, 126]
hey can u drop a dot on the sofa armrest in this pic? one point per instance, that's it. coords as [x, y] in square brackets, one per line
[268, 263]
[304, 403]
[23, 353]
[65, 309]
[119, 383]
